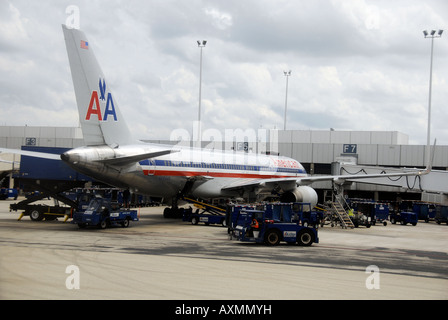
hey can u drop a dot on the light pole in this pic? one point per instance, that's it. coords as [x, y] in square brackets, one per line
[430, 35]
[201, 44]
[287, 75]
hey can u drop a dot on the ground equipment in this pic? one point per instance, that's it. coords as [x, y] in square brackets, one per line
[205, 212]
[441, 214]
[102, 213]
[404, 218]
[8, 193]
[260, 227]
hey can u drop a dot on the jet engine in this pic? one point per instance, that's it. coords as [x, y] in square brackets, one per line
[300, 194]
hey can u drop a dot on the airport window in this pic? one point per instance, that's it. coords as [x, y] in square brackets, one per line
[322, 168]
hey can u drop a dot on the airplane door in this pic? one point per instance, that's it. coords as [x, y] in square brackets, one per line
[152, 167]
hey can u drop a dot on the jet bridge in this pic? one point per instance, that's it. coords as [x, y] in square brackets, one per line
[435, 181]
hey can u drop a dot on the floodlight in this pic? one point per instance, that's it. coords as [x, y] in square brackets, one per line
[201, 45]
[432, 36]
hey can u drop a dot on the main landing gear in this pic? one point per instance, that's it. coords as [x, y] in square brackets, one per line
[175, 212]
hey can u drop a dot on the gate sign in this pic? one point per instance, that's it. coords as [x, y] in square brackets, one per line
[242, 146]
[350, 148]
[30, 141]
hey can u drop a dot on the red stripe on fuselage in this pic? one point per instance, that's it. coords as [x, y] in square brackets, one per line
[172, 173]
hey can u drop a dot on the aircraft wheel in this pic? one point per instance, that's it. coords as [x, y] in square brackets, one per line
[167, 213]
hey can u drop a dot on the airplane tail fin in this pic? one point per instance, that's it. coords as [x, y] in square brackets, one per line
[101, 120]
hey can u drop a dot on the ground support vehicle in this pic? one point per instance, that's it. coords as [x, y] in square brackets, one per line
[374, 211]
[257, 226]
[43, 178]
[64, 202]
[102, 213]
[206, 213]
[404, 218]
[196, 217]
[298, 212]
[8, 193]
[424, 211]
[233, 216]
[306, 215]
[441, 214]
[360, 219]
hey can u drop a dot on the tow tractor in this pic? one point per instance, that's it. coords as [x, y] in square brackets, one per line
[102, 213]
[259, 226]
[8, 193]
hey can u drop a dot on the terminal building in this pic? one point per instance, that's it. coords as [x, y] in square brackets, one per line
[321, 152]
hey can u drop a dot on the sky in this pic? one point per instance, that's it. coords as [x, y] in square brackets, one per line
[355, 64]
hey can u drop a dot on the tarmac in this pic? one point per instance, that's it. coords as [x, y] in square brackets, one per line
[168, 259]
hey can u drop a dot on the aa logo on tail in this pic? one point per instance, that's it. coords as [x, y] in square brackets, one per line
[106, 101]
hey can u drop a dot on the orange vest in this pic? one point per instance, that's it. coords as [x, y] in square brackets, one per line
[255, 224]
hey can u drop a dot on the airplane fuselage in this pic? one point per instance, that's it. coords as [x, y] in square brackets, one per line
[166, 175]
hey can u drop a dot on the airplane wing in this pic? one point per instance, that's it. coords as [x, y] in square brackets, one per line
[287, 183]
[51, 156]
[290, 183]
[119, 161]
[10, 162]
[123, 161]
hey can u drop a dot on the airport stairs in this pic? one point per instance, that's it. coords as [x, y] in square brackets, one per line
[342, 214]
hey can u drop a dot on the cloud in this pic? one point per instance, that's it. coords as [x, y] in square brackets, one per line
[356, 64]
[220, 20]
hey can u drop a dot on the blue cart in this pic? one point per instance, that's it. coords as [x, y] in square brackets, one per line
[103, 213]
[442, 214]
[8, 193]
[404, 218]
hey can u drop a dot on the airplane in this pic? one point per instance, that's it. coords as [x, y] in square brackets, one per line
[112, 156]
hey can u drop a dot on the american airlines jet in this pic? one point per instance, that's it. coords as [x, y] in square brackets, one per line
[111, 155]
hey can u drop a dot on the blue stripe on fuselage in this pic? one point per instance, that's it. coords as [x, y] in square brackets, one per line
[223, 166]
